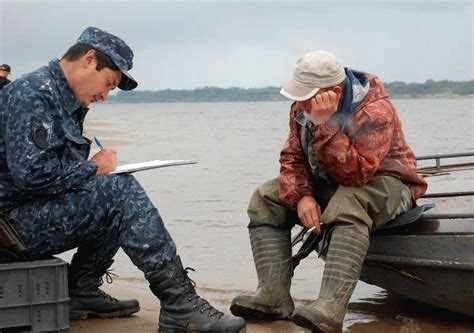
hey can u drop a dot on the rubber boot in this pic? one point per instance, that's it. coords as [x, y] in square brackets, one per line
[345, 256]
[182, 310]
[271, 249]
[87, 300]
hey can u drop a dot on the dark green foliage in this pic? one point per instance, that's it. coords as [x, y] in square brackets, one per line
[213, 94]
[431, 88]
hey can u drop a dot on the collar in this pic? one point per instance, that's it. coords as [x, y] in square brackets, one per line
[355, 90]
[68, 100]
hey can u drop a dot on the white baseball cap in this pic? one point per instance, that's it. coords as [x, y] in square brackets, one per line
[313, 71]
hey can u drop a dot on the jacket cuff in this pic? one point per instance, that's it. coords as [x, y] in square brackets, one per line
[91, 167]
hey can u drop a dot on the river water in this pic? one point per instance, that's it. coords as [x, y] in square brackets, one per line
[237, 146]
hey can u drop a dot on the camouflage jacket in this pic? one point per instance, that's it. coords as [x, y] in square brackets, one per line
[42, 150]
[371, 143]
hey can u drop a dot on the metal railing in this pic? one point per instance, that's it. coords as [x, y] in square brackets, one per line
[438, 169]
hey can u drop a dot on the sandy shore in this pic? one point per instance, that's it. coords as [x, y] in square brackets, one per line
[392, 315]
[146, 320]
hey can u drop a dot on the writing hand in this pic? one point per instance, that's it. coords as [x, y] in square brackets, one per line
[106, 161]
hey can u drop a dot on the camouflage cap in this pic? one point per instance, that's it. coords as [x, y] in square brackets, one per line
[5, 68]
[118, 51]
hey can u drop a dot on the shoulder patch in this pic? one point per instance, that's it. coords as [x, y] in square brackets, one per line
[41, 134]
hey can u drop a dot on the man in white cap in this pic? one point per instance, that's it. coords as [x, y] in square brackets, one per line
[345, 167]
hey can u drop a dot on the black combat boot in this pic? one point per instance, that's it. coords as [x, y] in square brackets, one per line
[87, 300]
[271, 249]
[182, 310]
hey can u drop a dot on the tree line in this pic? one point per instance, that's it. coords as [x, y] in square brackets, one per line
[430, 88]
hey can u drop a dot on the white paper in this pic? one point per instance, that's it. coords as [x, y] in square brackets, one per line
[133, 167]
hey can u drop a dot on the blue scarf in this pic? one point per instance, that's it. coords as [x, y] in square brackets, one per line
[356, 88]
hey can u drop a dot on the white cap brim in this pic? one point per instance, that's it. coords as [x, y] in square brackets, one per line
[298, 92]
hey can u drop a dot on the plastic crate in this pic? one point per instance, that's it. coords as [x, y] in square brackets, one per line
[34, 296]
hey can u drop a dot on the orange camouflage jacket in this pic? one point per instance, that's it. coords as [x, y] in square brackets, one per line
[371, 143]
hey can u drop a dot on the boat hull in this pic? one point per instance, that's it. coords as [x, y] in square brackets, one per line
[432, 263]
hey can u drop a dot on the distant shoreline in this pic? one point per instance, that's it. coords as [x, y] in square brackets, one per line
[397, 90]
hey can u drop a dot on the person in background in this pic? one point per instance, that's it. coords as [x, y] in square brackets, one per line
[57, 199]
[5, 70]
[346, 168]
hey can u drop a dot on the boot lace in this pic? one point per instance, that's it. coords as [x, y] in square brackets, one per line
[199, 303]
[109, 276]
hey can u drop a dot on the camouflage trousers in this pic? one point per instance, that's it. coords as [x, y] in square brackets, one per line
[107, 213]
[374, 204]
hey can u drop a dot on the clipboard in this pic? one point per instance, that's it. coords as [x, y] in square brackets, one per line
[134, 167]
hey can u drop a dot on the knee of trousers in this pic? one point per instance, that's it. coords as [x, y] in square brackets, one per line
[373, 204]
[348, 206]
[265, 207]
[122, 183]
[121, 189]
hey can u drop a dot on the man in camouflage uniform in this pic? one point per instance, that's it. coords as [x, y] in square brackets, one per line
[58, 199]
[345, 156]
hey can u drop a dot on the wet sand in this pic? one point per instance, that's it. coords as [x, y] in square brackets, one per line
[373, 315]
[146, 320]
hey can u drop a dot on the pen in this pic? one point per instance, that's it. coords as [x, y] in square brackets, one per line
[98, 143]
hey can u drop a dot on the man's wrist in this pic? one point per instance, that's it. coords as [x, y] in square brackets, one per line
[306, 197]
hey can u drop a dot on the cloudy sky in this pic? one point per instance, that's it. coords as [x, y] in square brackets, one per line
[189, 44]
